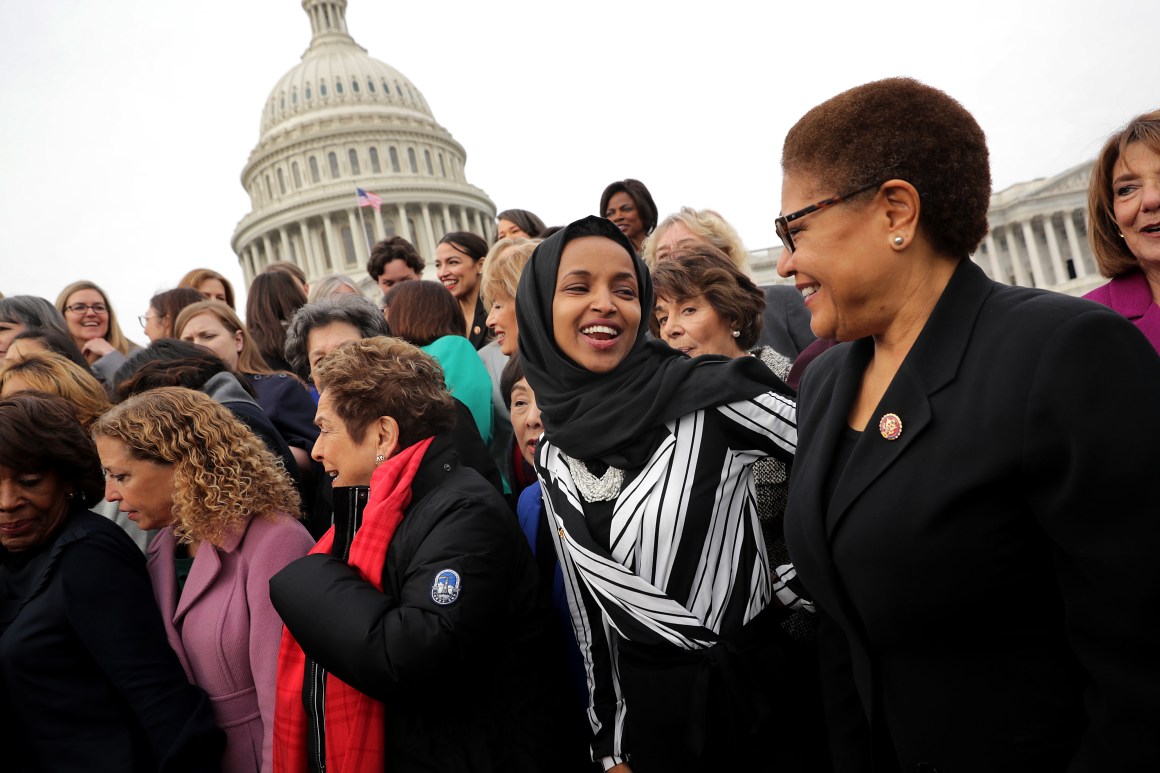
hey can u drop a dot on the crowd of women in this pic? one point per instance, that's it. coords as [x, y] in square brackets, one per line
[596, 501]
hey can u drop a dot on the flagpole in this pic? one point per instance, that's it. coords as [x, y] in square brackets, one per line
[362, 224]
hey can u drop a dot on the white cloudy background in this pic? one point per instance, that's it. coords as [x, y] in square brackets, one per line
[124, 124]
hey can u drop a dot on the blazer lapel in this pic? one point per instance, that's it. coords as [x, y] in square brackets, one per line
[207, 565]
[163, 573]
[930, 365]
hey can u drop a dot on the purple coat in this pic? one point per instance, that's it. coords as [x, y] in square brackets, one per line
[1131, 295]
[225, 630]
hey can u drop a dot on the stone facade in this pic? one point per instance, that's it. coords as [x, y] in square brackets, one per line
[1038, 235]
[341, 120]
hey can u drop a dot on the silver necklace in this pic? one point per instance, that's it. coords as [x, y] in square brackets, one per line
[594, 489]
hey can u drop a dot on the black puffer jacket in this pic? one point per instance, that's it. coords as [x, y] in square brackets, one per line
[457, 668]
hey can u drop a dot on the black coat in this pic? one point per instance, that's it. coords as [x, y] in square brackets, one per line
[88, 681]
[461, 681]
[990, 576]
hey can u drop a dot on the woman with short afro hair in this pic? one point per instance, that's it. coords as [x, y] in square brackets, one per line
[971, 505]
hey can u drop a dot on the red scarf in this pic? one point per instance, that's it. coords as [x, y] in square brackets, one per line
[355, 722]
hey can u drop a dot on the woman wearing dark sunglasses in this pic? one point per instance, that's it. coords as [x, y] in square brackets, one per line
[966, 501]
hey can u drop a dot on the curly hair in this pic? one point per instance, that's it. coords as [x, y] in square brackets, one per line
[194, 279]
[56, 374]
[114, 335]
[250, 360]
[395, 248]
[387, 377]
[505, 262]
[423, 311]
[222, 474]
[704, 270]
[1111, 252]
[40, 433]
[706, 224]
[901, 129]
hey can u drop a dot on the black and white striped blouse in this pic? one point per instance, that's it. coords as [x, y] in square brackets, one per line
[677, 557]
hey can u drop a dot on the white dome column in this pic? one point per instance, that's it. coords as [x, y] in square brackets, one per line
[993, 255]
[380, 230]
[463, 224]
[358, 236]
[448, 223]
[270, 254]
[332, 245]
[428, 230]
[1078, 259]
[404, 228]
[1017, 268]
[1053, 249]
[1037, 273]
[287, 251]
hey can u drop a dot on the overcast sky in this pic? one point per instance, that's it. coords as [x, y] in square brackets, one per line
[126, 123]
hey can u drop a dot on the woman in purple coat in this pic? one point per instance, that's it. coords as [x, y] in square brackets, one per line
[177, 460]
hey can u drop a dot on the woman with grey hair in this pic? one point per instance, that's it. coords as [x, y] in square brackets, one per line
[321, 327]
[332, 285]
[26, 312]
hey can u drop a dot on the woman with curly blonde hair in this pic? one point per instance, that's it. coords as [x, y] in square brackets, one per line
[177, 460]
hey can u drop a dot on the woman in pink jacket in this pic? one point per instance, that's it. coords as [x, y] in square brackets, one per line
[177, 460]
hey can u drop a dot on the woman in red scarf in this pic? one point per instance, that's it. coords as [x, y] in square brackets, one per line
[411, 631]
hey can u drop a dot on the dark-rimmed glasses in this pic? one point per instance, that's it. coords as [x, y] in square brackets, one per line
[83, 308]
[781, 225]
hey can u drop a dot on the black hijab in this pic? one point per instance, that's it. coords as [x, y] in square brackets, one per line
[616, 417]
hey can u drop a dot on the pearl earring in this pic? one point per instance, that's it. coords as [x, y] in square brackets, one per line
[736, 333]
[898, 240]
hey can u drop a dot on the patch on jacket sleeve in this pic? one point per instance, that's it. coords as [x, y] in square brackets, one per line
[445, 590]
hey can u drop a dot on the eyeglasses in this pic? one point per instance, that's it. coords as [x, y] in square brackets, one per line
[144, 319]
[781, 225]
[84, 308]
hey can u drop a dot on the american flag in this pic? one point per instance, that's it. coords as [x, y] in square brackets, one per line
[368, 199]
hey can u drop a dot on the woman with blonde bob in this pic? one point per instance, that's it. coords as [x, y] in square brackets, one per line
[1124, 211]
[177, 460]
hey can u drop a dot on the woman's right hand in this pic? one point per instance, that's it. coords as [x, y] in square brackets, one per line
[96, 348]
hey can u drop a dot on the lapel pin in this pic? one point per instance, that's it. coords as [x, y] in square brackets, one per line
[890, 426]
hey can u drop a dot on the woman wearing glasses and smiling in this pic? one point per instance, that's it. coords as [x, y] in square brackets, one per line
[966, 500]
[93, 326]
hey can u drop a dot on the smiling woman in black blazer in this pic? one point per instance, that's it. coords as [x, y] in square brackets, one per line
[971, 504]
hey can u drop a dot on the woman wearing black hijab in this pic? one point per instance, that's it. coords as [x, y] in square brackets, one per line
[645, 466]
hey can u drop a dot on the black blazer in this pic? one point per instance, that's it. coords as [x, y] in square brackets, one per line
[990, 576]
[88, 681]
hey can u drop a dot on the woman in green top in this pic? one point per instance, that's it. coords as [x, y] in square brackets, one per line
[426, 315]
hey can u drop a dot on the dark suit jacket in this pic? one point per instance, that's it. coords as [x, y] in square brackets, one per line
[87, 679]
[992, 574]
[786, 321]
